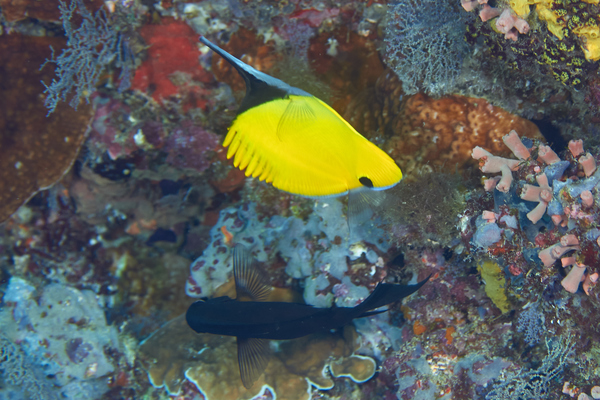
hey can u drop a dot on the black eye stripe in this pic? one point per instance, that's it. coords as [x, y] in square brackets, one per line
[365, 181]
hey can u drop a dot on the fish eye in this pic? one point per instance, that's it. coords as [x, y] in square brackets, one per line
[365, 181]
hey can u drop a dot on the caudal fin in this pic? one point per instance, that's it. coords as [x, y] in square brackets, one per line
[386, 293]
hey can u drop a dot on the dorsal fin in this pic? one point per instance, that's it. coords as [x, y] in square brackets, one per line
[260, 87]
[249, 284]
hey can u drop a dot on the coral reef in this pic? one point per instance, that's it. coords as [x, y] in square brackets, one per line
[534, 384]
[175, 354]
[423, 210]
[442, 132]
[558, 38]
[560, 221]
[93, 267]
[17, 10]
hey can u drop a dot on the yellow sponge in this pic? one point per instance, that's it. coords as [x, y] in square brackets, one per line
[495, 283]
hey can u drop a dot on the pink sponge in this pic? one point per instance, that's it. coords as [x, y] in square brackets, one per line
[511, 25]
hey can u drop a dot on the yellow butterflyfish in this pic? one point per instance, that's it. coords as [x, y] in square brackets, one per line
[291, 139]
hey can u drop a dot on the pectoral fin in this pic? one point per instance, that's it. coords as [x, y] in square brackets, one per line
[253, 357]
[298, 113]
[363, 205]
[249, 284]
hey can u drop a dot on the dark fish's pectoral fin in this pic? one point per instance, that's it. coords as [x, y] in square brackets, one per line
[297, 113]
[248, 281]
[253, 357]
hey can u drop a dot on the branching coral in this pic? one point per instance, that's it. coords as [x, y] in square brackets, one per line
[534, 383]
[417, 44]
[92, 47]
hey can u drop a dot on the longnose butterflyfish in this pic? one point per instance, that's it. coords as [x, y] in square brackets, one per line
[291, 139]
[256, 321]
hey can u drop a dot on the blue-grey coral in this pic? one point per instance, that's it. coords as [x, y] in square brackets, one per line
[91, 48]
[18, 373]
[531, 322]
[425, 44]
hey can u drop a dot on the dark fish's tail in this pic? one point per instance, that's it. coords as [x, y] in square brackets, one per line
[386, 293]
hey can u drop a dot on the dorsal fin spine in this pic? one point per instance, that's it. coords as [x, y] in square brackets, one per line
[245, 71]
[260, 87]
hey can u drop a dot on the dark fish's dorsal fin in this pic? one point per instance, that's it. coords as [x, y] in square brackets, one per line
[253, 357]
[260, 87]
[248, 281]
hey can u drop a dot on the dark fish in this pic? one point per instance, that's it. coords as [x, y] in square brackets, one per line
[254, 322]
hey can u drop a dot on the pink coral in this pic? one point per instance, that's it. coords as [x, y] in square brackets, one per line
[514, 143]
[490, 184]
[469, 5]
[587, 199]
[489, 216]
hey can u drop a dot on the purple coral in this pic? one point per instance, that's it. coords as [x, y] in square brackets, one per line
[77, 350]
[189, 147]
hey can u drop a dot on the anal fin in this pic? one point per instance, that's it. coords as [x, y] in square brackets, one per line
[253, 357]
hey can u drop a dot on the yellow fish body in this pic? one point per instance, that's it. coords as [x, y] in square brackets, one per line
[291, 139]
